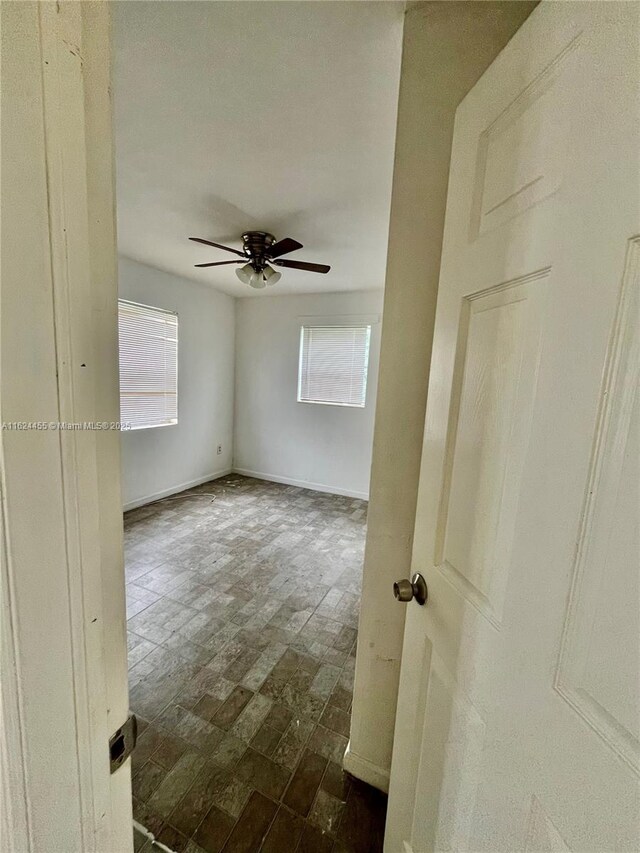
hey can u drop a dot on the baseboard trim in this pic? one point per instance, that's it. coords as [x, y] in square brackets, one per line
[258, 475]
[174, 490]
[365, 770]
[302, 484]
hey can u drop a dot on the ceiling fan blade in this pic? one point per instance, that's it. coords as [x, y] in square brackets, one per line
[218, 246]
[220, 263]
[283, 247]
[301, 265]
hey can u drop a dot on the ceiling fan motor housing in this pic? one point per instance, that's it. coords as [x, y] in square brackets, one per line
[256, 245]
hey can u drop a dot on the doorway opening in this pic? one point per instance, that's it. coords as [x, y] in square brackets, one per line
[248, 404]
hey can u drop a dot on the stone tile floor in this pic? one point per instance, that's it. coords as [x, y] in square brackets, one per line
[242, 616]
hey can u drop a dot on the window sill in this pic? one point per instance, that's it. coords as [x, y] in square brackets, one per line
[151, 426]
[329, 403]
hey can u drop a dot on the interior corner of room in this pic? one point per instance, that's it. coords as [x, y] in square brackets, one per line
[238, 375]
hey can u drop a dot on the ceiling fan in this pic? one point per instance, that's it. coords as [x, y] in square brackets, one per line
[259, 250]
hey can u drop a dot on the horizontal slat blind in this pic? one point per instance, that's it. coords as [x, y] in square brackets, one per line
[148, 365]
[333, 365]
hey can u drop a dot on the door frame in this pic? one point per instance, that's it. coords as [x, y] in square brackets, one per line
[64, 681]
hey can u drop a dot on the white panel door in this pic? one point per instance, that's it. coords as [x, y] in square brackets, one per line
[517, 724]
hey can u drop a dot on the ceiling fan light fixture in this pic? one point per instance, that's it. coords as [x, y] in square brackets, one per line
[271, 276]
[256, 280]
[245, 273]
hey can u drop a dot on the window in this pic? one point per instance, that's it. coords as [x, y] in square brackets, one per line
[148, 365]
[333, 365]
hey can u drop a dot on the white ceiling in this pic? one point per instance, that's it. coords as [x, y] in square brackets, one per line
[275, 116]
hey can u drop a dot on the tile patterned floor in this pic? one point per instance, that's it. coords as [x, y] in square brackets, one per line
[242, 607]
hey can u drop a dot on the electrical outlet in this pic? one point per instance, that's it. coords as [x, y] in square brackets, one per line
[219, 449]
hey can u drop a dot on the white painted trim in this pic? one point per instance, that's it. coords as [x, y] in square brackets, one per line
[157, 845]
[100, 159]
[66, 164]
[174, 490]
[56, 167]
[339, 319]
[302, 484]
[258, 475]
[365, 770]
[14, 790]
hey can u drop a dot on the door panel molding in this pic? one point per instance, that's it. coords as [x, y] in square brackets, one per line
[494, 384]
[501, 193]
[583, 659]
[542, 834]
[458, 758]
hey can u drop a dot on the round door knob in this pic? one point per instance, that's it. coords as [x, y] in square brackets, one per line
[405, 589]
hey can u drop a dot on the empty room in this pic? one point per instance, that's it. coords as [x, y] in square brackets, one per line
[320, 429]
[249, 349]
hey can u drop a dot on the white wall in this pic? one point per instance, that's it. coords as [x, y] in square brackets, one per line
[163, 460]
[318, 447]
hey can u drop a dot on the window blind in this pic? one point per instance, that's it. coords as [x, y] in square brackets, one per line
[333, 365]
[148, 365]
